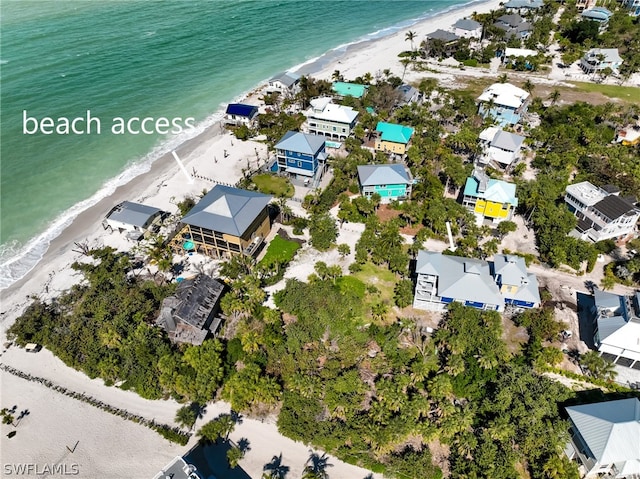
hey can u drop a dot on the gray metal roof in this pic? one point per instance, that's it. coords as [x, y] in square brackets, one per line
[301, 143]
[524, 4]
[606, 300]
[512, 20]
[134, 214]
[610, 429]
[467, 24]
[408, 92]
[393, 174]
[464, 279]
[442, 35]
[609, 325]
[513, 271]
[227, 210]
[286, 78]
[507, 141]
[178, 469]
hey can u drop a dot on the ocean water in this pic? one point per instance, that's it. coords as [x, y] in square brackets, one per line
[140, 58]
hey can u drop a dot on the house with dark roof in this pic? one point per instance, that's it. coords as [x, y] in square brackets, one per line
[514, 26]
[488, 198]
[467, 28]
[134, 218]
[284, 82]
[445, 279]
[440, 42]
[392, 138]
[240, 114]
[605, 438]
[301, 155]
[189, 314]
[329, 119]
[391, 182]
[499, 147]
[226, 221]
[616, 321]
[601, 214]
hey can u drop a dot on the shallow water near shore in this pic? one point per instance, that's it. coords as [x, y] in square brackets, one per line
[127, 59]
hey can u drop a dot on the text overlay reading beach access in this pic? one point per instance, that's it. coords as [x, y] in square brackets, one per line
[93, 125]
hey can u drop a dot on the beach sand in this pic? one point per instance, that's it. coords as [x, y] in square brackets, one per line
[110, 446]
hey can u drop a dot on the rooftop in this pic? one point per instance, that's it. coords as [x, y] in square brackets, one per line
[349, 89]
[227, 210]
[504, 94]
[586, 193]
[324, 109]
[286, 78]
[178, 469]
[534, 4]
[467, 24]
[614, 207]
[392, 174]
[301, 143]
[394, 132]
[609, 55]
[599, 14]
[507, 141]
[135, 214]
[497, 191]
[240, 109]
[443, 36]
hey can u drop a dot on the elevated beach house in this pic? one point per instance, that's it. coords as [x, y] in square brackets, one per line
[189, 314]
[440, 43]
[467, 28]
[240, 114]
[504, 102]
[178, 468]
[284, 82]
[301, 155]
[391, 182]
[514, 26]
[599, 15]
[523, 6]
[602, 214]
[392, 138]
[444, 279]
[616, 321]
[344, 89]
[598, 59]
[605, 438]
[225, 222]
[333, 121]
[408, 94]
[134, 218]
[489, 199]
[500, 148]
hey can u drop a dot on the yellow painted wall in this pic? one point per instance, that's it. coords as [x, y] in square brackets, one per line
[389, 146]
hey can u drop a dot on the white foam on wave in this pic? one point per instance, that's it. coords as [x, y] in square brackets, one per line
[16, 259]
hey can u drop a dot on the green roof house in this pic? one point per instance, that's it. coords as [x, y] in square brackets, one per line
[343, 89]
[393, 138]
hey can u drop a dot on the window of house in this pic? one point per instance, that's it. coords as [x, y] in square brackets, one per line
[334, 128]
[299, 164]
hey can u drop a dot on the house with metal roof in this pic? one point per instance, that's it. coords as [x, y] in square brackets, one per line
[301, 155]
[283, 82]
[443, 279]
[616, 320]
[499, 147]
[523, 6]
[240, 114]
[391, 182]
[226, 221]
[178, 468]
[504, 102]
[134, 218]
[600, 15]
[343, 89]
[329, 119]
[518, 287]
[598, 59]
[467, 28]
[392, 138]
[409, 94]
[488, 198]
[514, 26]
[601, 214]
[190, 314]
[605, 438]
[442, 40]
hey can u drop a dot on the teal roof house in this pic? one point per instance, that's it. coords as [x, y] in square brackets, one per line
[605, 438]
[488, 198]
[343, 89]
[391, 182]
[393, 138]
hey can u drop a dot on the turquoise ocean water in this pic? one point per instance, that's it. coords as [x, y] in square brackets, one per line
[145, 59]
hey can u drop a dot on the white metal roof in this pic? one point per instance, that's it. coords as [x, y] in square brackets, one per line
[586, 193]
[504, 94]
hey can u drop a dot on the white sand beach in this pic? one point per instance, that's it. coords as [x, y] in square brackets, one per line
[108, 445]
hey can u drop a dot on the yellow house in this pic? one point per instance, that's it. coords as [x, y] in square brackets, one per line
[393, 138]
[488, 198]
[226, 221]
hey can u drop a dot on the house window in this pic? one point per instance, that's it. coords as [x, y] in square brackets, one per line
[505, 206]
[334, 128]
[299, 164]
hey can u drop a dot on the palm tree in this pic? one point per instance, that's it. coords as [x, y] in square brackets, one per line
[410, 36]
[186, 416]
[529, 86]
[554, 96]
[316, 465]
[275, 469]
[336, 76]
[504, 78]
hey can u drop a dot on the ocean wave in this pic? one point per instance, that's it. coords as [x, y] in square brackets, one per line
[16, 259]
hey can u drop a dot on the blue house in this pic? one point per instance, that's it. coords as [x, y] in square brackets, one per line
[240, 114]
[301, 155]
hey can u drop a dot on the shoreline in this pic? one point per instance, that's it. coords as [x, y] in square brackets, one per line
[161, 186]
